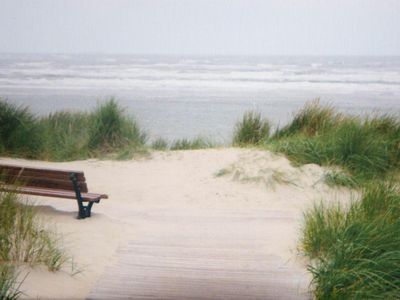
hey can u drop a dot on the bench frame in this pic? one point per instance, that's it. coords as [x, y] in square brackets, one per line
[84, 210]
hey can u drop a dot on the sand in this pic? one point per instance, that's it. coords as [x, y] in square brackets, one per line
[201, 224]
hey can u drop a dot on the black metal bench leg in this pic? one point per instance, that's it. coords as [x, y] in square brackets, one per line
[84, 211]
[89, 209]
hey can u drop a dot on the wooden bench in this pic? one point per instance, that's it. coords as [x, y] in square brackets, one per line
[50, 183]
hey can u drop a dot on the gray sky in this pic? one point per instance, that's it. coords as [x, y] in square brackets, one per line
[351, 27]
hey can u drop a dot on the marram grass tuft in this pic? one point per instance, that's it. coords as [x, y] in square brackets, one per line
[65, 135]
[355, 250]
[251, 130]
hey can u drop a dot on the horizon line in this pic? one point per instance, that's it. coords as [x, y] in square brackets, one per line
[195, 54]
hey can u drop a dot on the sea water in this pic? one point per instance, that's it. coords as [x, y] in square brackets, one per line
[186, 96]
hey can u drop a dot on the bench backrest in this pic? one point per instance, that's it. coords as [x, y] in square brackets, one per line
[41, 177]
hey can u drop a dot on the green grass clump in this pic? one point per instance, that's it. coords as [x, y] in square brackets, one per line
[355, 250]
[66, 135]
[187, 144]
[9, 287]
[19, 131]
[22, 238]
[159, 144]
[251, 130]
[23, 241]
[365, 148]
[199, 142]
[311, 120]
[110, 128]
[336, 178]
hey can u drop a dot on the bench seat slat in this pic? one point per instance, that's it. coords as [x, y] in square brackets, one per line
[38, 174]
[52, 193]
[50, 183]
[41, 171]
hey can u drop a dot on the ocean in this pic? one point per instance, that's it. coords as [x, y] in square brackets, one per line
[187, 96]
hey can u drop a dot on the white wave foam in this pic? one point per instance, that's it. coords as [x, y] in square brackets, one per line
[196, 74]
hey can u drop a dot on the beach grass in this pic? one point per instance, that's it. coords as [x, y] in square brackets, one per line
[367, 148]
[9, 285]
[22, 237]
[311, 120]
[19, 131]
[251, 129]
[23, 240]
[364, 147]
[199, 142]
[110, 128]
[65, 135]
[354, 250]
[337, 178]
[160, 144]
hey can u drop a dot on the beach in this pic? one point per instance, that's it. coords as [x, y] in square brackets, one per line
[200, 224]
[228, 150]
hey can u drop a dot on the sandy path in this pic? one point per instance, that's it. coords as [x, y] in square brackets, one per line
[174, 229]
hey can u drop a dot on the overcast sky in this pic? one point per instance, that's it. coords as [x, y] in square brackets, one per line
[265, 27]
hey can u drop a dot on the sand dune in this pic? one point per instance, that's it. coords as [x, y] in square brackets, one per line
[203, 224]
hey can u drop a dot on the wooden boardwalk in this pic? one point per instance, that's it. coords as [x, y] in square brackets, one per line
[203, 257]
